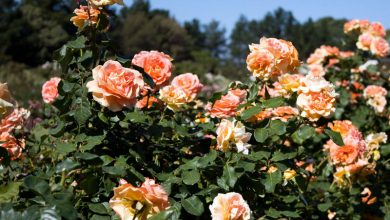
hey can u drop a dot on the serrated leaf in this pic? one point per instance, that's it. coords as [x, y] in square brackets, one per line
[193, 205]
[271, 180]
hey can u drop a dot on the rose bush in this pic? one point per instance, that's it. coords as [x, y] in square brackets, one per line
[133, 139]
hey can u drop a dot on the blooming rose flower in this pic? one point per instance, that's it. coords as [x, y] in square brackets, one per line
[364, 41]
[316, 70]
[284, 113]
[290, 82]
[5, 99]
[147, 102]
[12, 145]
[100, 3]
[379, 47]
[346, 54]
[157, 64]
[83, 14]
[367, 196]
[15, 120]
[227, 105]
[229, 133]
[174, 97]
[266, 113]
[314, 105]
[311, 83]
[271, 58]
[114, 86]
[375, 139]
[189, 83]
[320, 54]
[49, 90]
[356, 25]
[289, 174]
[376, 97]
[377, 29]
[142, 202]
[229, 206]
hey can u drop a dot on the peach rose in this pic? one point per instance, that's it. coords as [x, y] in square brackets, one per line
[290, 82]
[364, 41]
[379, 47]
[373, 90]
[377, 29]
[100, 3]
[356, 25]
[374, 140]
[189, 83]
[114, 86]
[229, 206]
[12, 145]
[344, 155]
[320, 54]
[271, 58]
[142, 202]
[346, 54]
[147, 102]
[367, 196]
[314, 105]
[376, 97]
[267, 113]
[174, 97]
[15, 120]
[316, 70]
[49, 90]
[83, 14]
[5, 99]
[157, 64]
[284, 113]
[227, 105]
[229, 133]
[311, 83]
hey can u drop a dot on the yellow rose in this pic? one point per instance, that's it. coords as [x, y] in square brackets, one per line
[289, 174]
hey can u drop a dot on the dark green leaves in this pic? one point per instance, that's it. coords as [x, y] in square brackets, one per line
[271, 180]
[190, 177]
[193, 205]
[248, 113]
[9, 191]
[335, 136]
[302, 134]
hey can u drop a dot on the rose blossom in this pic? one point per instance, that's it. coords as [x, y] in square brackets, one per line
[15, 120]
[142, 202]
[114, 86]
[83, 14]
[316, 70]
[227, 105]
[100, 3]
[174, 97]
[355, 24]
[284, 113]
[290, 82]
[271, 58]
[12, 145]
[189, 83]
[379, 47]
[377, 29]
[320, 54]
[229, 132]
[147, 102]
[157, 64]
[5, 99]
[364, 41]
[229, 206]
[315, 105]
[49, 90]
[376, 97]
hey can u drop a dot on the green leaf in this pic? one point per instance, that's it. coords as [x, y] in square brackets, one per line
[92, 141]
[335, 136]
[57, 131]
[261, 134]
[248, 113]
[278, 156]
[147, 78]
[259, 155]
[64, 148]
[302, 134]
[229, 175]
[278, 127]
[37, 184]
[9, 191]
[78, 43]
[271, 180]
[98, 208]
[115, 171]
[66, 165]
[190, 177]
[90, 184]
[273, 103]
[83, 112]
[193, 205]
[323, 207]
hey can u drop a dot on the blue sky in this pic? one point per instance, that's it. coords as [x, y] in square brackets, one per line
[228, 11]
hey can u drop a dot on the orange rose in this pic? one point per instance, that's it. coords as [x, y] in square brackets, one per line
[379, 47]
[12, 145]
[364, 41]
[290, 82]
[189, 83]
[271, 58]
[5, 99]
[316, 104]
[229, 133]
[147, 102]
[49, 90]
[320, 54]
[83, 14]
[344, 155]
[114, 86]
[158, 65]
[174, 97]
[356, 25]
[227, 105]
[377, 29]
[229, 206]
[142, 202]
[100, 3]
[15, 120]
[366, 193]
[284, 113]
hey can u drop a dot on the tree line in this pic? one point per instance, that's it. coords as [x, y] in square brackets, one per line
[33, 29]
